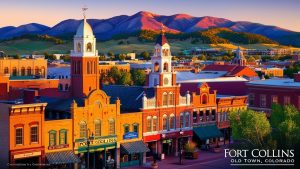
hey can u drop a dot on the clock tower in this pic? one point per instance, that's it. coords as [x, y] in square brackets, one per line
[161, 71]
[84, 61]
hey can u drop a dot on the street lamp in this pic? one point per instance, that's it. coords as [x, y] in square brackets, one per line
[180, 146]
[88, 142]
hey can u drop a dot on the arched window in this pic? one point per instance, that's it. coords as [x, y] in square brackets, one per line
[14, 71]
[126, 128]
[181, 120]
[171, 98]
[62, 136]
[29, 72]
[166, 69]
[172, 122]
[111, 127]
[42, 71]
[83, 129]
[165, 99]
[6, 70]
[97, 128]
[23, 73]
[66, 87]
[154, 123]
[88, 68]
[37, 71]
[89, 47]
[149, 124]
[187, 119]
[165, 122]
[204, 99]
[156, 67]
[52, 138]
[78, 47]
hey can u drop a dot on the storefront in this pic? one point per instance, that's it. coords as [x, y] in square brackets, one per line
[152, 142]
[132, 153]
[27, 158]
[62, 159]
[207, 135]
[100, 151]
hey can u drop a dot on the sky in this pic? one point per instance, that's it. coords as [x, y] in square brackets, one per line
[282, 13]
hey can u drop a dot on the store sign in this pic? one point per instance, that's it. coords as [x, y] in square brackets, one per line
[96, 141]
[58, 146]
[130, 135]
[25, 155]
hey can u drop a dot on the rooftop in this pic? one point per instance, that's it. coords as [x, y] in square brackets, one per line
[276, 82]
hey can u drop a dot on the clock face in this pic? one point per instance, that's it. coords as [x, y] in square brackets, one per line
[166, 81]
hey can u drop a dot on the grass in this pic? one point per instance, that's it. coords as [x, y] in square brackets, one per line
[26, 46]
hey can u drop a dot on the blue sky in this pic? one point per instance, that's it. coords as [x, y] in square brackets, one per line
[283, 13]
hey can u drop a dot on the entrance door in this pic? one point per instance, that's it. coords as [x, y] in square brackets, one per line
[167, 147]
[27, 163]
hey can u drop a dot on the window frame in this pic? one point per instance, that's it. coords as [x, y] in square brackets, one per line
[65, 131]
[22, 136]
[37, 134]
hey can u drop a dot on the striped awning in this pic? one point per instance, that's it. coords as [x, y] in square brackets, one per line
[207, 132]
[134, 147]
[62, 157]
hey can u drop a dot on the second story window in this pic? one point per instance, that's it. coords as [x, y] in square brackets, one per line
[194, 117]
[172, 122]
[165, 122]
[34, 134]
[149, 124]
[62, 136]
[207, 115]
[111, 127]
[181, 120]
[126, 128]
[263, 101]
[97, 128]
[187, 119]
[136, 127]
[213, 115]
[52, 138]
[19, 136]
[201, 119]
[154, 123]
[165, 99]
[83, 129]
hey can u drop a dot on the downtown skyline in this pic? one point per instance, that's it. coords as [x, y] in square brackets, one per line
[278, 13]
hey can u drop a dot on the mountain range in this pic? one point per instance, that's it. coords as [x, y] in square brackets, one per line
[104, 29]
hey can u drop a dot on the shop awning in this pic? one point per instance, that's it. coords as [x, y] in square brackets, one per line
[62, 157]
[207, 132]
[134, 147]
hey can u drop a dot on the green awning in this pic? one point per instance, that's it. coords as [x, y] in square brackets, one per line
[207, 132]
[62, 157]
[134, 147]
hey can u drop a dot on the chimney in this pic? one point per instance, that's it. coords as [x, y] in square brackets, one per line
[297, 77]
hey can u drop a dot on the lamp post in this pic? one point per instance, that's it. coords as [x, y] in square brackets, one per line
[180, 146]
[88, 142]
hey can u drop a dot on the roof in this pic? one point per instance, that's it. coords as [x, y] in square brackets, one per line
[187, 76]
[232, 70]
[276, 82]
[161, 39]
[84, 29]
[130, 96]
[134, 147]
[60, 104]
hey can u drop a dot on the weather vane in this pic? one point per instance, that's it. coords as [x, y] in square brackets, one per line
[83, 10]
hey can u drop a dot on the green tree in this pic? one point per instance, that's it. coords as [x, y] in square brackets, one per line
[202, 57]
[285, 121]
[66, 58]
[145, 55]
[251, 126]
[138, 77]
[17, 56]
[125, 78]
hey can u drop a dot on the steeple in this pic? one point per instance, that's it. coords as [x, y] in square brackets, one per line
[239, 58]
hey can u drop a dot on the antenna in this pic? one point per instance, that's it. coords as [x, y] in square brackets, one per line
[83, 11]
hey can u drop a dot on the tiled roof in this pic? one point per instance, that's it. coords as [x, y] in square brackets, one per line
[130, 96]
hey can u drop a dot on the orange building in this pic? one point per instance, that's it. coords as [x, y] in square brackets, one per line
[22, 135]
[24, 67]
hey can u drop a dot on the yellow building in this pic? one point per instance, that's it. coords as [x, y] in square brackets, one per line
[272, 72]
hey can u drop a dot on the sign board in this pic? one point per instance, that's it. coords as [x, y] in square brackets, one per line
[130, 135]
[25, 155]
[96, 141]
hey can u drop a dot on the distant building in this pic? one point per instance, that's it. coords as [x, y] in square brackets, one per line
[132, 56]
[239, 59]
[271, 71]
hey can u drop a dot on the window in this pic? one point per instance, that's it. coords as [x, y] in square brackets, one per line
[165, 99]
[62, 136]
[136, 128]
[156, 67]
[274, 99]
[165, 122]
[111, 127]
[6, 70]
[126, 128]
[201, 116]
[154, 123]
[166, 67]
[213, 115]
[204, 99]
[251, 99]
[83, 129]
[37, 71]
[181, 120]
[34, 138]
[172, 122]
[263, 102]
[286, 100]
[29, 73]
[194, 117]
[89, 47]
[52, 138]
[207, 115]
[187, 119]
[149, 125]
[19, 136]
[14, 71]
[78, 47]
[171, 99]
[97, 128]
[23, 71]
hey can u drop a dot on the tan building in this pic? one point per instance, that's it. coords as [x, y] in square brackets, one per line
[24, 67]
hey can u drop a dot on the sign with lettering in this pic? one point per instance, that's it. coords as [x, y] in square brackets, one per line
[25, 155]
[130, 135]
[96, 141]
[58, 146]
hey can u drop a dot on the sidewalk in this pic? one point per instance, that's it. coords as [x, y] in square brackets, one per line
[173, 162]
